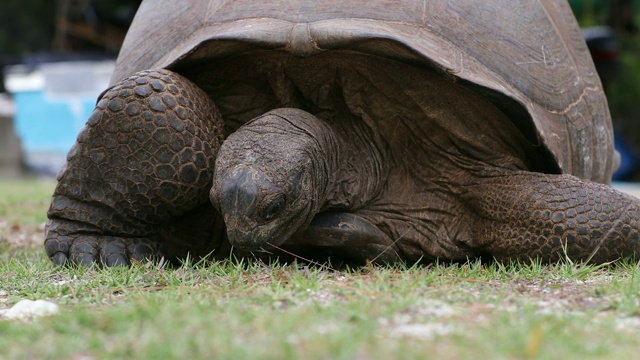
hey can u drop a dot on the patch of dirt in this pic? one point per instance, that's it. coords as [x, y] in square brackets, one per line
[564, 295]
[17, 235]
[442, 313]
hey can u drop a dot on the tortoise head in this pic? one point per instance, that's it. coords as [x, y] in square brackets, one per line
[265, 181]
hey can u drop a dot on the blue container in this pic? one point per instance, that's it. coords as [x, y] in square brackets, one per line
[52, 104]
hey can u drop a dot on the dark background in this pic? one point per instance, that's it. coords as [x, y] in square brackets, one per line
[34, 31]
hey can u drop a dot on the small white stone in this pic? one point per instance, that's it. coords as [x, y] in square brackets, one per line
[630, 324]
[27, 309]
[425, 331]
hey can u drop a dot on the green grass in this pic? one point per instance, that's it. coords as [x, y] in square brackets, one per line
[253, 310]
[25, 202]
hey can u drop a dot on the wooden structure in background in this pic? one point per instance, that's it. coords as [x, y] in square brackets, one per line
[75, 20]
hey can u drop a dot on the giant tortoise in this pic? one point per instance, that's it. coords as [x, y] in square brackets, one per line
[362, 130]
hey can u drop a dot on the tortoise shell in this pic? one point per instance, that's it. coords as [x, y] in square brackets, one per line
[527, 57]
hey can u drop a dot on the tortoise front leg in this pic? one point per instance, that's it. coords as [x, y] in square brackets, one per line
[136, 182]
[526, 215]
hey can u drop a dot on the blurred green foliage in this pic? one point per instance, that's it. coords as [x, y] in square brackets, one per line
[27, 26]
[591, 12]
[623, 92]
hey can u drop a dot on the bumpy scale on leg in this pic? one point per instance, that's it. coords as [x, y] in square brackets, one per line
[525, 215]
[143, 161]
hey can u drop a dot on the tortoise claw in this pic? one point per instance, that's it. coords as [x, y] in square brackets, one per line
[60, 259]
[98, 250]
[353, 234]
[341, 228]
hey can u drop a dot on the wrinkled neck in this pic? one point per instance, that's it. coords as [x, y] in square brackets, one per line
[359, 164]
[348, 159]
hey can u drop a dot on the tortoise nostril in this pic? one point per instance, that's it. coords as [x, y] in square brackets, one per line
[239, 191]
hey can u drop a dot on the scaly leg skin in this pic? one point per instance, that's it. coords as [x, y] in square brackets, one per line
[525, 215]
[139, 169]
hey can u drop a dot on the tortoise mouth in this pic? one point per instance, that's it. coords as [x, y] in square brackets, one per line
[253, 238]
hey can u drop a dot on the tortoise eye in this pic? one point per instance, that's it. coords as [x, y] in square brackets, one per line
[274, 208]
